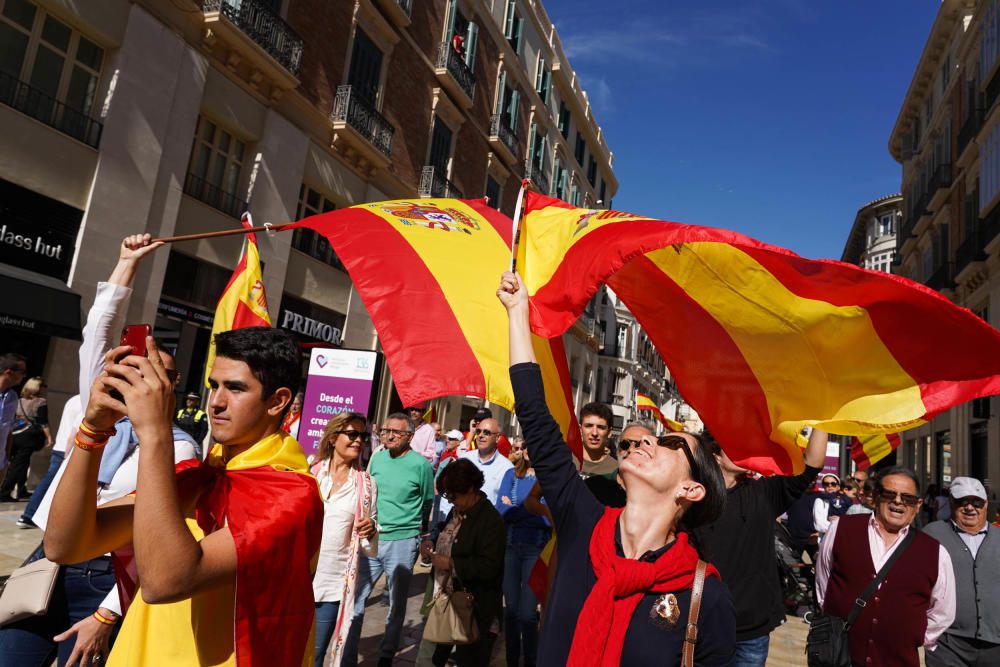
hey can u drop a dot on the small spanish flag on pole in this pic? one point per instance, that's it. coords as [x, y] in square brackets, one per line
[643, 402]
[243, 302]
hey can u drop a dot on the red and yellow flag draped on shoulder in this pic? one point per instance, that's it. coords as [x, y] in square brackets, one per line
[762, 342]
[438, 319]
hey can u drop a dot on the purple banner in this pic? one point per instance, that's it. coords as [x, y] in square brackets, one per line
[338, 381]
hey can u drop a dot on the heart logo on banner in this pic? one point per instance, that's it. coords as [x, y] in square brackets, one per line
[321, 360]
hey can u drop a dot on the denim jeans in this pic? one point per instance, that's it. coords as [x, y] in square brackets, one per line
[521, 606]
[43, 486]
[79, 590]
[326, 620]
[395, 559]
[752, 652]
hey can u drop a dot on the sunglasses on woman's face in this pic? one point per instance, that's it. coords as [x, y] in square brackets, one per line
[673, 442]
[351, 434]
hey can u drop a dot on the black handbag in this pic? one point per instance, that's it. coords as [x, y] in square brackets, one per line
[827, 643]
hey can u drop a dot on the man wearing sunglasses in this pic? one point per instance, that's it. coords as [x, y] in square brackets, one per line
[916, 601]
[487, 458]
[974, 546]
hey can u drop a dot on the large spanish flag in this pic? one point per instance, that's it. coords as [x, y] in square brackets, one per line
[436, 313]
[643, 402]
[762, 342]
[867, 450]
[243, 302]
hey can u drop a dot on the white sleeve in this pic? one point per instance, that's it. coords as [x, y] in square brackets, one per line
[823, 563]
[941, 613]
[821, 513]
[104, 322]
[112, 602]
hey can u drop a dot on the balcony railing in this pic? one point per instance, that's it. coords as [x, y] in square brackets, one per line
[214, 196]
[264, 27]
[970, 129]
[500, 129]
[433, 183]
[971, 250]
[457, 67]
[941, 279]
[48, 110]
[539, 176]
[369, 123]
[406, 6]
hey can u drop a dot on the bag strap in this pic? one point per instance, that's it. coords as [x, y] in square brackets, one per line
[691, 633]
[862, 601]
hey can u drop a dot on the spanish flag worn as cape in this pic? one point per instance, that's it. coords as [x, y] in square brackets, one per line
[271, 504]
[762, 342]
[243, 302]
[643, 402]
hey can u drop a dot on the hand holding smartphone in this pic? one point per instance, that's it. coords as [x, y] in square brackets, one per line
[134, 335]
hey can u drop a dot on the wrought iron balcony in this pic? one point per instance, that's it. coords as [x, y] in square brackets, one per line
[359, 114]
[48, 110]
[214, 196]
[451, 65]
[433, 183]
[258, 22]
[941, 278]
[940, 179]
[502, 135]
[539, 176]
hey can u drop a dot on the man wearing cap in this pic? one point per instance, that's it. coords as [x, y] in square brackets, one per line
[452, 442]
[423, 438]
[191, 419]
[974, 546]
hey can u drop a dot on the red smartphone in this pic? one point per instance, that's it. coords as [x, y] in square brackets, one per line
[135, 336]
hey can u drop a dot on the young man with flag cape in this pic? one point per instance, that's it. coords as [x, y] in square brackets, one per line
[222, 549]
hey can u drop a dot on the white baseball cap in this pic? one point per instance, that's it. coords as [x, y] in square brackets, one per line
[454, 434]
[963, 487]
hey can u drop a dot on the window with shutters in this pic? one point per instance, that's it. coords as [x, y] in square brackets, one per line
[366, 68]
[440, 156]
[514, 27]
[543, 80]
[580, 149]
[216, 170]
[592, 171]
[509, 102]
[305, 240]
[564, 120]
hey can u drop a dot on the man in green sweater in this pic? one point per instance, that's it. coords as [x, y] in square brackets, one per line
[405, 483]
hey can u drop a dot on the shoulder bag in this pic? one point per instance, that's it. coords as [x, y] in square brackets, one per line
[450, 618]
[691, 633]
[827, 642]
[28, 589]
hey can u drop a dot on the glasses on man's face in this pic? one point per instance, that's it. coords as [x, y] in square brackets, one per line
[352, 435]
[673, 442]
[488, 433]
[393, 433]
[978, 503]
[889, 496]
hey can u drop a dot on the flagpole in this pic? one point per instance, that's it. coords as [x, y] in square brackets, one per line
[516, 235]
[227, 232]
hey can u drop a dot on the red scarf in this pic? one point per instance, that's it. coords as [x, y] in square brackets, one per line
[621, 583]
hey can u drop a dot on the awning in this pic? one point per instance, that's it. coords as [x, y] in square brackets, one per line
[38, 304]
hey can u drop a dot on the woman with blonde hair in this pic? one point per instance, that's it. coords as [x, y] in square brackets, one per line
[30, 433]
[348, 494]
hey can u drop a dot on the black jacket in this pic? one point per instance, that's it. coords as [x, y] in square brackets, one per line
[478, 555]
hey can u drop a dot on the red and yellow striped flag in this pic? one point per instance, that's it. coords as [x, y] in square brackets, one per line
[243, 302]
[867, 450]
[643, 402]
[762, 342]
[438, 319]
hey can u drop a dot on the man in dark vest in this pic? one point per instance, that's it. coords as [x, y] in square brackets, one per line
[916, 601]
[974, 547]
[191, 419]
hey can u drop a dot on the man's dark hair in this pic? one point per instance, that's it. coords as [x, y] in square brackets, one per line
[898, 470]
[598, 410]
[272, 355]
[708, 472]
[460, 476]
[11, 360]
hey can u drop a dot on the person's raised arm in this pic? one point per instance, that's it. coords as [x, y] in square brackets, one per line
[172, 564]
[77, 530]
[815, 454]
[514, 297]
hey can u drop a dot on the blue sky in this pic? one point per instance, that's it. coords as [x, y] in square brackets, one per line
[768, 117]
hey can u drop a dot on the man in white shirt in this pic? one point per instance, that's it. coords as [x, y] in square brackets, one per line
[485, 456]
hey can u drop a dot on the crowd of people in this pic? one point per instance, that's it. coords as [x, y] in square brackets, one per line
[661, 548]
